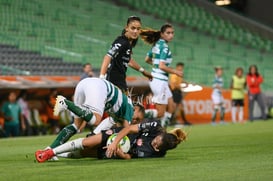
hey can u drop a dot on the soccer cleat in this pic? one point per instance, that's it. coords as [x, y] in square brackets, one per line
[44, 155]
[60, 105]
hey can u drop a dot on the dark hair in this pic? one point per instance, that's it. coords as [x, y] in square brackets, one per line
[84, 65]
[133, 18]
[141, 107]
[129, 20]
[172, 139]
[180, 64]
[151, 36]
[256, 68]
[239, 69]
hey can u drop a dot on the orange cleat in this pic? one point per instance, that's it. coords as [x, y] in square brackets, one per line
[44, 155]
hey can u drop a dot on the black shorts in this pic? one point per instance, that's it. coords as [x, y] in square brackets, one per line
[177, 96]
[105, 135]
[237, 102]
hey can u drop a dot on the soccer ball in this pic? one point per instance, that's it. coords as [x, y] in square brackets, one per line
[124, 144]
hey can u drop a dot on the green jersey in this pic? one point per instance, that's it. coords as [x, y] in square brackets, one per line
[160, 53]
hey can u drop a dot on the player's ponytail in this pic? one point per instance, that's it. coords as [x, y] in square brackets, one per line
[172, 139]
[151, 36]
[180, 134]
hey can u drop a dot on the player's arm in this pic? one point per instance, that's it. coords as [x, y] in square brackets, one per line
[104, 66]
[125, 123]
[231, 84]
[22, 119]
[116, 47]
[170, 70]
[133, 64]
[112, 148]
[4, 113]
[123, 155]
[148, 60]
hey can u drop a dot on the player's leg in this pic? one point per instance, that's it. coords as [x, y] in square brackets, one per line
[77, 144]
[222, 113]
[251, 99]
[216, 106]
[61, 104]
[214, 113]
[105, 124]
[241, 114]
[165, 121]
[233, 111]
[66, 133]
[261, 104]
[87, 107]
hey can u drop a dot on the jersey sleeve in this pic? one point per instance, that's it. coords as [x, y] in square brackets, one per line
[164, 50]
[148, 126]
[150, 54]
[117, 46]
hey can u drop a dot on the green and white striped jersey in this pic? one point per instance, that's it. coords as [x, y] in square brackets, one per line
[117, 104]
[160, 53]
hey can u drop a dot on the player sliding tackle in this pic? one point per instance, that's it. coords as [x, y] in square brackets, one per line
[148, 140]
[92, 97]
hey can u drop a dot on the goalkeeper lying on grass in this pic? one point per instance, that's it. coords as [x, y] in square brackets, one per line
[148, 139]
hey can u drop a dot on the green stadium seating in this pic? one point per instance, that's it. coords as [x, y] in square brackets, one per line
[82, 31]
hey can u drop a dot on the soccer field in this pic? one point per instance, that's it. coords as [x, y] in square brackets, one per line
[221, 152]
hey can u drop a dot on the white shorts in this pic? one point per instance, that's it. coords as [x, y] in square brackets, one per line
[217, 99]
[161, 91]
[92, 93]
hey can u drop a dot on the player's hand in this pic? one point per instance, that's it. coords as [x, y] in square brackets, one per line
[122, 155]
[148, 75]
[111, 150]
[179, 73]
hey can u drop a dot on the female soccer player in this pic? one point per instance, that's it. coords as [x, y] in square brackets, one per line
[217, 97]
[92, 97]
[238, 85]
[160, 57]
[148, 140]
[118, 57]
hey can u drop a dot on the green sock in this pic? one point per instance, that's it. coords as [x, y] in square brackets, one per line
[64, 135]
[222, 113]
[82, 112]
[214, 115]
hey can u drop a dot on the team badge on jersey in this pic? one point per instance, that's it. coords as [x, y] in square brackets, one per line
[139, 142]
[109, 132]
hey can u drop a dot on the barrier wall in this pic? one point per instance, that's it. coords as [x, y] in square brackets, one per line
[198, 106]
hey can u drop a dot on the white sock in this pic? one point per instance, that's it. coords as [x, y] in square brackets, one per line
[233, 114]
[165, 120]
[69, 146]
[167, 115]
[72, 154]
[106, 124]
[241, 114]
[152, 112]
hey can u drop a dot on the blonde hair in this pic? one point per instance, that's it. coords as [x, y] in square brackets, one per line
[171, 139]
[180, 134]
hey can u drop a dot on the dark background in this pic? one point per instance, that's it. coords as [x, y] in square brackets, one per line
[259, 10]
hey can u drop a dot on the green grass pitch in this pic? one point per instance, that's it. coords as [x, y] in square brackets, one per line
[221, 152]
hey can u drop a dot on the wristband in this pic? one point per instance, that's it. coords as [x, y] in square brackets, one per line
[141, 69]
[102, 76]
